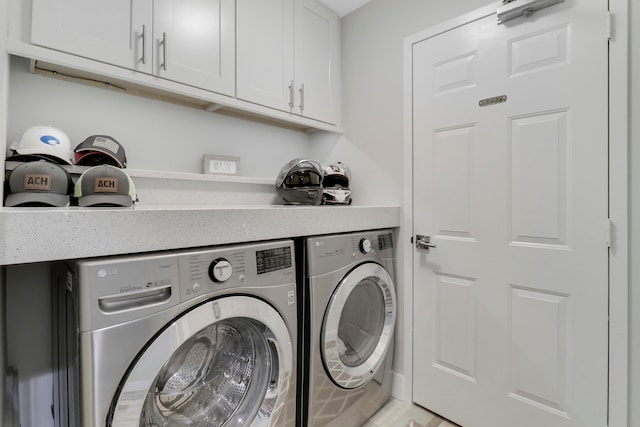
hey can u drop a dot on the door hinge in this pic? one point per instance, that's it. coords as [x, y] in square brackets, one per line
[610, 26]
[608, 232]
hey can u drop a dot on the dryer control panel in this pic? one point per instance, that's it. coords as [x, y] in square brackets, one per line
[381, 242]
[328, 253]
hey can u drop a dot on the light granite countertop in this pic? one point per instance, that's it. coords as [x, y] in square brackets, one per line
[47, 234]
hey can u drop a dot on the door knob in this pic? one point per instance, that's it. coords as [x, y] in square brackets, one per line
[424, 242]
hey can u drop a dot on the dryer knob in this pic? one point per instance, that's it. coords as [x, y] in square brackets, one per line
[220, 270]
[365, 245]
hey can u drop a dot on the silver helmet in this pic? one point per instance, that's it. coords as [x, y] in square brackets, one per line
[300, 182]
[335, 181]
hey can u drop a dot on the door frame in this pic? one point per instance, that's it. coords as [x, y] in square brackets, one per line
[618, 203]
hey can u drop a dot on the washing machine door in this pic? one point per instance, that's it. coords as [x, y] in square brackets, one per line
[226, 363]
[358, 325]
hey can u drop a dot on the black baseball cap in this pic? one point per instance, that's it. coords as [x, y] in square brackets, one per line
[100, 150]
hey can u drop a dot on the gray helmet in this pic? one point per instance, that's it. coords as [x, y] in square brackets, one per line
[335, 181]
[300, 183]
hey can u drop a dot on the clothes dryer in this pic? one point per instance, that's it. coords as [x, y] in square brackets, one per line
[201, 337]
[349, 312]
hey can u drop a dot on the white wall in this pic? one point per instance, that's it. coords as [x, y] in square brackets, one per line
[634, 191]
[4, 71]
[156, 135]
[373, 119]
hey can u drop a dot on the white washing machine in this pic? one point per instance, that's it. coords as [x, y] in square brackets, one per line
[350, 312]
[203, 337]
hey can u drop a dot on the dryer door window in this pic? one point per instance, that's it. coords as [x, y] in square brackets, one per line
[358, 325]
[227, 362]
[361, 323]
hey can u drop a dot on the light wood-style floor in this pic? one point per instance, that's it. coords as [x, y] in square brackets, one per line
[402, 414]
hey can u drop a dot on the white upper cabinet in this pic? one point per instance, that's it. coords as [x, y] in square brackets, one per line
[116, 32]
[316, 61]
[188, 41]
[275, 58]
[194, 43]
[264, 49]
[287, 57]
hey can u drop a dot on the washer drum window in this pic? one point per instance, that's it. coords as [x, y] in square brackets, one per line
[226, 363]
[358, 325]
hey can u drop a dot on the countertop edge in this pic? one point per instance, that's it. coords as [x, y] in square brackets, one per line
[48, 234]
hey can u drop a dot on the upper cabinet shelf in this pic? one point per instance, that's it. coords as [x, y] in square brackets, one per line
[275, 59]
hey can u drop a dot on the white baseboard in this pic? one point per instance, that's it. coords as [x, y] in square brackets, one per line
[398, 389]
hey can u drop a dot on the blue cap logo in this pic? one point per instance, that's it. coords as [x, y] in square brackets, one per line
[50, 140]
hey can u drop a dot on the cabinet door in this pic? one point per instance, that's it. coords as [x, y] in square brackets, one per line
[316, 62]
[116, 32]
[194, 43]
[264, 49]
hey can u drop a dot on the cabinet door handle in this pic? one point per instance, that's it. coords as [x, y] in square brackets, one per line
[164, 51]
[291, 95]
[144, 44]
[302, 98]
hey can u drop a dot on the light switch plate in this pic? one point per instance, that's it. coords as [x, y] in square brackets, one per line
[220, 165]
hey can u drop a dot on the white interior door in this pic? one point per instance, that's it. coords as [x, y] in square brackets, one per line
[510, 183]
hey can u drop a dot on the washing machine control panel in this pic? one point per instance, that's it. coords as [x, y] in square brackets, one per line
[273, 259]
[211, 270]
[220, 270]
[365, 246]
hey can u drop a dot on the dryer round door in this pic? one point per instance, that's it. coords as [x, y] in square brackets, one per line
[227, 362]
[358, 325]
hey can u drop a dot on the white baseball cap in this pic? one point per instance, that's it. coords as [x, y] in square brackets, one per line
[43, 142]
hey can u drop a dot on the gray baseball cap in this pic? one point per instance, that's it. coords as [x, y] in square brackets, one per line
[105, 185]
[39, 183]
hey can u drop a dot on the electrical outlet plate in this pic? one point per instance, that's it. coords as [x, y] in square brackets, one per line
[220, 165]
